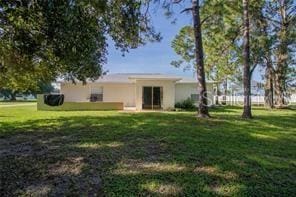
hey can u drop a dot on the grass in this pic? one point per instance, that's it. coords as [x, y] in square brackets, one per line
[4, 103]
[150, 154]
[17, 101]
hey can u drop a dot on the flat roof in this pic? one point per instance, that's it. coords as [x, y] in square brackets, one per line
[154, 77]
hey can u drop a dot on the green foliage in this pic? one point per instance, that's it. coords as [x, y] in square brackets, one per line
[280, 17]
[40, 88]
[218, 63]
[43, 88]
[187, 104]
[222, 37]
[219, 31]
[42, 40]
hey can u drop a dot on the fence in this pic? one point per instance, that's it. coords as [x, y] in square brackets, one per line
[255, 100]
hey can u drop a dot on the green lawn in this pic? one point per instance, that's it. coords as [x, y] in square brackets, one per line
[18, 103]
[132, 154]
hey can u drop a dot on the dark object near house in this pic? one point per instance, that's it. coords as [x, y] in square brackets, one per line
[54, 99]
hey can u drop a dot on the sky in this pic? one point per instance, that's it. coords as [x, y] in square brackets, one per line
[154, 57]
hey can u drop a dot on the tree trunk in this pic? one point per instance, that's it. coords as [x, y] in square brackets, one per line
[279, 87]
[13, 96]
[269, 72]
[225, 92]
[282, 57]
[247, 113]
[203, 105]
[268, 97]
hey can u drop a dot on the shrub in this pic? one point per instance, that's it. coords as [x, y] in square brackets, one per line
[187, 104]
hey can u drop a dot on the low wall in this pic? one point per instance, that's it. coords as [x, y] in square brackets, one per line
[78, 106]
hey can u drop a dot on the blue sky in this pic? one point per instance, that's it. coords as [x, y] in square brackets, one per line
[153, 57]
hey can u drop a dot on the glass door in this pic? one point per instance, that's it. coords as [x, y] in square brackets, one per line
[147, 98]
[156, 98]
[152, 97]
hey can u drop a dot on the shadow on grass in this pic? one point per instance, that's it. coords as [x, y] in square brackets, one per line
[148, 154]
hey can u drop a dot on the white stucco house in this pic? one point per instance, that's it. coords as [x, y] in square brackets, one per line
[138, 91]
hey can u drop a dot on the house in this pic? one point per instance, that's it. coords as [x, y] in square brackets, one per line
[138, 91]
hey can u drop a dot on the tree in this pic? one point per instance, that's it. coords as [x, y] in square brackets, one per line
[203, 102]
[223, 38]
[261, 46]
[246, 56]
[198, 55]
[8, 94]
[269, 69]
[218, 64]
[220, 32]
[189, 45]
[279, 20]
[43, 40]
[284, 21]
[269, 82]
[41, 88]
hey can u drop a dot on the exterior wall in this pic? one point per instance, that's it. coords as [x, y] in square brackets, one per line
[75, 92]
[124, 93]
[120, 93]
[184, 91]
[131, 94]
[211, 94]
[81, 106]
[168, 92]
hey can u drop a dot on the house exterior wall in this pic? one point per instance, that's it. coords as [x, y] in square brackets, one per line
[111, 92]
[130, 94]
[75, 92]
[184, 91]
[120, 93]
[211, 94]
[168, 92]
[74, 106]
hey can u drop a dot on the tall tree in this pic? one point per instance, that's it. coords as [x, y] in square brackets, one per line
[218, 51]
[246, 56]
[286, 27]
[261, 46]
[203, 102]
[189, 45]
[269, 69]
[280, 17]
[194, 8]
[269, 82]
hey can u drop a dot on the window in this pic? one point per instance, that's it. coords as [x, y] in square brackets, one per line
[96, 94]
[195, 97]
[96, 97]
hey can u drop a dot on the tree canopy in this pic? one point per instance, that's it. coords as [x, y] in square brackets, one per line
[43, 40]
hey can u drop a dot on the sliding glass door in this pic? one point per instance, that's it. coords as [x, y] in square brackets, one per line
[147, 98]
[152, 97]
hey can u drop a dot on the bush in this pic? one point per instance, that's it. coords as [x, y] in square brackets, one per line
[187, 104]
